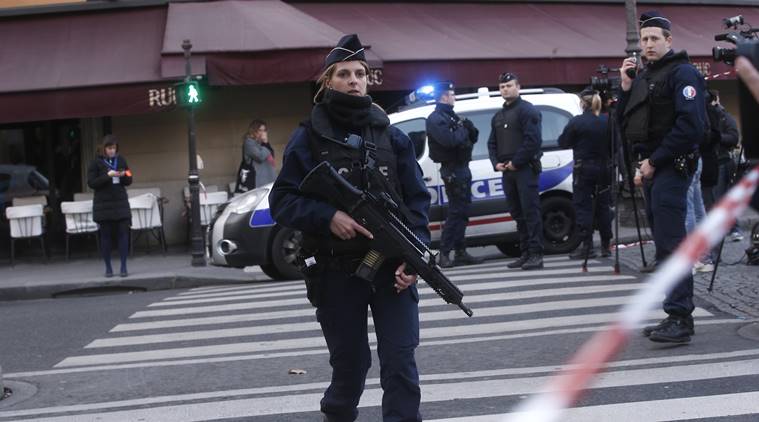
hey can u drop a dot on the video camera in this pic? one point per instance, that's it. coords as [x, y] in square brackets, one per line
[738, 37]
[744, 37]
[608, 84]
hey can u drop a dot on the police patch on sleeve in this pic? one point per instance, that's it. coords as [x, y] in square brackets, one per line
[689, 92]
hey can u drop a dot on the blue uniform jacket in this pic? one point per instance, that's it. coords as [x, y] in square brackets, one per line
[291, 209]
[690, 115]
[532, 138]
[439, 126]
[587, 135]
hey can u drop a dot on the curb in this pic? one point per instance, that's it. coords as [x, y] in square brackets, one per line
[146, 283]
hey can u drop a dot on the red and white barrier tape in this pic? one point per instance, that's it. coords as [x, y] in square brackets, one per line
[564, 389]
[719, 75]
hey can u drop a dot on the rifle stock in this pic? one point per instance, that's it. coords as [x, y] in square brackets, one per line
[380, 216]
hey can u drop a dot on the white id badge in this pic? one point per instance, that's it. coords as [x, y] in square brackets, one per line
[116, 180]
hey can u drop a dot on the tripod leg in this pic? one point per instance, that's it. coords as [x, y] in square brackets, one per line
[716, 265]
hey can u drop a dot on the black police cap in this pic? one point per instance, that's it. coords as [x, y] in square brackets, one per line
[654, 19]
[349, 48]
[443, 86]
[507, 77]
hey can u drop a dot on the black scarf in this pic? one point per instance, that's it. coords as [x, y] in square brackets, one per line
[348, 111]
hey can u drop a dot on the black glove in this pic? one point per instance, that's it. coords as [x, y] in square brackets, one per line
[473, 132]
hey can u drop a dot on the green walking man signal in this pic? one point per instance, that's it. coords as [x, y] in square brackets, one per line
[188, 94]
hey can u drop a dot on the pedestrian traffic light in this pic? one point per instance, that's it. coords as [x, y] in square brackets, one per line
[188, 94]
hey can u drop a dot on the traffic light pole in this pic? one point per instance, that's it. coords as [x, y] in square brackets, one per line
[196, 235]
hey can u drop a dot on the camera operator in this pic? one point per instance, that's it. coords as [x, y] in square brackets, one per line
[588, 136]
[662, 114]
[724, 130]
[451, 140]
[514, 148]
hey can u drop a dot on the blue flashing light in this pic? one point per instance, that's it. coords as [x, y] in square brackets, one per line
[426, 90]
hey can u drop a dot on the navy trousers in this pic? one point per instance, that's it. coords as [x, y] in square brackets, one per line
[458, 182]
[666, 206]
[592, 179]
[523, 202]
[343, 318]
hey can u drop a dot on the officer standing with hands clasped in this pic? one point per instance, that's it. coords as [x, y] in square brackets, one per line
[663, 118]
[588, 136]
[451, 140]
[344, 125]
[514, 147]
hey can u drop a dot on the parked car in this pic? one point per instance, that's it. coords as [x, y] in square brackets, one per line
[19, 180]
[245, 234]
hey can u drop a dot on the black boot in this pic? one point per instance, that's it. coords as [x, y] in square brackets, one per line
[673, 329]
[462, 257]
[534, 262]
[444, 261]
[519, 262]
[605, 248]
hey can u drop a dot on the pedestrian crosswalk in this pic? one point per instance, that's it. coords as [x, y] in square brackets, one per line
[525, 325]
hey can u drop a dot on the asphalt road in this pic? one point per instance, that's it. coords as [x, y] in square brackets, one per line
[224, 353]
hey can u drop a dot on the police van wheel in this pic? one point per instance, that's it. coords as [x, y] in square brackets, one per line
[559, 232]
[271, 271]
[284, 247]
[509, 249]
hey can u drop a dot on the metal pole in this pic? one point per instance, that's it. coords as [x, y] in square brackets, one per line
[633, 38]
[197, 241]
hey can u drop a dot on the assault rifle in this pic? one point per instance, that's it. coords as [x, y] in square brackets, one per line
[392, 238]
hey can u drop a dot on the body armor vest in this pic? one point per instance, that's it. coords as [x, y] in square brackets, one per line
[327, 145]
[441, 154]
[508, 133]
[650, 111]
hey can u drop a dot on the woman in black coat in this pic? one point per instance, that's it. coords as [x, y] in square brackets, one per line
[108, 174]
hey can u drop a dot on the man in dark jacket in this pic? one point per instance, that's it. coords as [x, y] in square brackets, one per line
[451, 140]
[663, 117]
[514, 148]
[727, 137]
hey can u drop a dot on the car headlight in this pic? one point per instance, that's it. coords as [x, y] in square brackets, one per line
[247, 202]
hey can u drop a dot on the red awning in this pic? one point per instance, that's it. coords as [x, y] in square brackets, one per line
[116, 100]
[250, 42]
[80, 65]
[81, 50]
[472, 43]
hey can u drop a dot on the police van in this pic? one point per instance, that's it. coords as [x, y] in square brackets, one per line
[244, 232]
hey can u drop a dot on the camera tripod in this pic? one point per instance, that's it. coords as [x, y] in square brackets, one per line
[733, 177]
[620, 147]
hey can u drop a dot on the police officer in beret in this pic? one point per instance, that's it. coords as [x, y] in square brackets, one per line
[588, 135]
[663, 116]
[343, 118]
[451, 140]
[514, 148]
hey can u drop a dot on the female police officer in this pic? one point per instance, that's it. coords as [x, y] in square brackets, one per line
[343, 113]
[588, 136]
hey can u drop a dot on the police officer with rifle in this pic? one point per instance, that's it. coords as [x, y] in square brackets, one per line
[348, 131]
[662, 113]
[451, 140]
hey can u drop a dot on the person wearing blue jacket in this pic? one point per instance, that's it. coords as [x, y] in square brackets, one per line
[451, 140]
[334, 243]
[514, 148]
[588, 135]
[662, 114]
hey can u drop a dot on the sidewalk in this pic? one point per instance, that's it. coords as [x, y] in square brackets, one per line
[31, 278]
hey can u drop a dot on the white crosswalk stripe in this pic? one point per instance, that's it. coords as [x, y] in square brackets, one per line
[225, 324]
